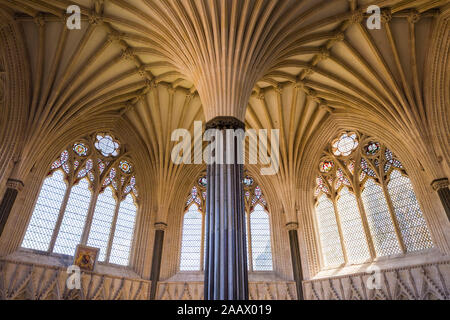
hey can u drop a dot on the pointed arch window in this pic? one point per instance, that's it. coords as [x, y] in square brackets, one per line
[258, 233]
[89, 197]
[365, 204]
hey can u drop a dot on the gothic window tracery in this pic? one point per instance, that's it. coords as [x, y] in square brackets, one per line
[89, 197]
[193, 243]
[365, 204]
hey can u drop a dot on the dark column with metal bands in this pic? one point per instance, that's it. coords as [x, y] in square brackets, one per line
[157, 256]
[295, 255]
[12, 190]
[226, 275]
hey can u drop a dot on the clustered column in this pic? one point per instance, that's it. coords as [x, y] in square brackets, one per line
[226, 275]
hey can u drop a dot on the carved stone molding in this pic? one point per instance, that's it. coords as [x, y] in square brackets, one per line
[395, 284]
[292, 226]
[26, 281]
[225, 123]
[15, 184]
[160, 226]
[439, 184]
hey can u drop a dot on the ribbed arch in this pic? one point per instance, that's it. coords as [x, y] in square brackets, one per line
[365, 186]
[89, 198]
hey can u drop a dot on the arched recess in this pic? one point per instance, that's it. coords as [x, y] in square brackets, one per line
[281, 255]
[428, 200]
[172, 239]
[14, 92]
[45, 154]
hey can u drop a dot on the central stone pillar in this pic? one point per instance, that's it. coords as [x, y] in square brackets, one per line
[226, 275]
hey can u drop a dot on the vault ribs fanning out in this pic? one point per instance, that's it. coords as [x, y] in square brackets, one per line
[91, 114]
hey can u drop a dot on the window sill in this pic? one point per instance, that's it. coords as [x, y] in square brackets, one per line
[63, 261]
[432, 255]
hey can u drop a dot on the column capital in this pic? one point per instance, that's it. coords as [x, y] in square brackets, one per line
[15, 184]
[292, 226]
[224, 122]
[439, 184]
[160, 226]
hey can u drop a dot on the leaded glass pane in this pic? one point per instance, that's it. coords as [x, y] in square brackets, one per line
[261, 246]
[191, 240]
[101, 222]
[329, 233]
[123, 235]
[379, 220]
[45, 214]
[352, 228]
[413, 227]
[72, 225]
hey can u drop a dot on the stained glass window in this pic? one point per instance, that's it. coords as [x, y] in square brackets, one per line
[329, 233]
[368, 186]
[259, 251]
[72, 225]
[345, 144]
[125, 166]
[107, 146]
[102, 221]
[352, 228]
[407, 210]
[86, 210]
[80, 149]
[260, 234]
[379, 219]
[46, 211]
[191, 239]
[123, 234]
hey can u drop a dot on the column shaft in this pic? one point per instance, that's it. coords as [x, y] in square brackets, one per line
[226, 275]
[296, 262]
[12, 190]
[156, 261]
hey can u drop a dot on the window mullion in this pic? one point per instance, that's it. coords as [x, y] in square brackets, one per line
[393, 216]
[365, 223]
[362, 211]
[60, 217]
[112, 231]
[249, 243]
[89, 218]
[202, 244]
[341, 234]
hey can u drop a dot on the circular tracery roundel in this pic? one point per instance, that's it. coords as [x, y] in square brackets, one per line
[125, 166]
[326, 166]
[372, 148]
[107, 146]
[80, 149]
[345, 144]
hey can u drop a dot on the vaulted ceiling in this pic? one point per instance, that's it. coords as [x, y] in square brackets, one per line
[162, 64]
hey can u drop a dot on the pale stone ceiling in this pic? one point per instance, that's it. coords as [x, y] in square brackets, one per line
[277, 64]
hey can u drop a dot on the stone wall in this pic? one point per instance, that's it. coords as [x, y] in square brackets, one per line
[30, 281]
[420, 282]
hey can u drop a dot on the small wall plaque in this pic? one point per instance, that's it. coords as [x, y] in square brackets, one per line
[86, 257]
